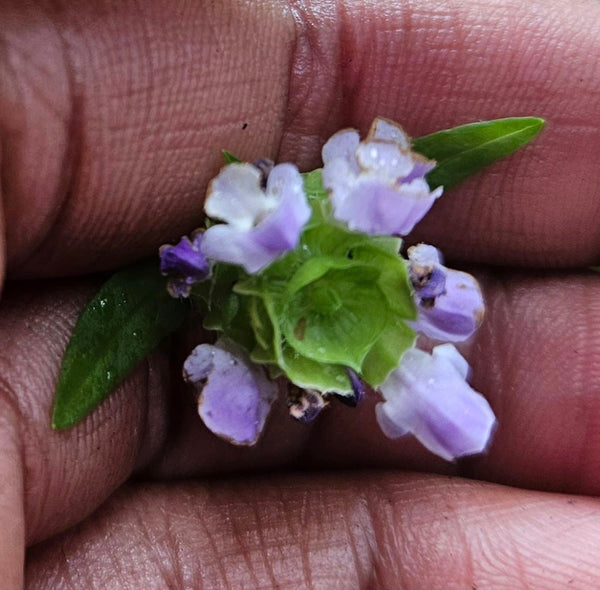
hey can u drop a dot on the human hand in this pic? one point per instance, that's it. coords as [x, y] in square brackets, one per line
[112, 118]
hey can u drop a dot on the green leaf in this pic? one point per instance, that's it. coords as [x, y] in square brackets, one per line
[230, 158]
[124, 322]
[463, 151]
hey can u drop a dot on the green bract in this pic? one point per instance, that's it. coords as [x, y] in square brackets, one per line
[339, 300]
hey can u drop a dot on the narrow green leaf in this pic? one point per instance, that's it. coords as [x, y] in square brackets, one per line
[127, 318]
[463, 151]
[230, 158]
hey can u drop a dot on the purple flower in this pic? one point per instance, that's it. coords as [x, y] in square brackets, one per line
[428, 396]
[184, 264]
[377, 186]
[450, 302]
[261, 225]
[234, 395]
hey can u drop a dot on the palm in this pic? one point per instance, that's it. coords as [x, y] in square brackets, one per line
[112, 120]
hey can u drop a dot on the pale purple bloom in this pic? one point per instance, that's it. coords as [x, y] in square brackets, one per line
[307, 405]
[235, 396]
[260, 224]
[429, 397]
[184, 264]
[377, 186]
[449, 302]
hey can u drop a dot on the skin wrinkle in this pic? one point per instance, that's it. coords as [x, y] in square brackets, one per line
[563, 374]
[12, 531]
[514, 401]
[584, 366]
[97, 135]
[338, 66]
[49, 461]
[313, 85]
[514, 524]
[533, 470]
[18, 105]
[163, 551]
[263, 546]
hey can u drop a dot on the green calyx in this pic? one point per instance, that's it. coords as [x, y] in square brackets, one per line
[339, 300]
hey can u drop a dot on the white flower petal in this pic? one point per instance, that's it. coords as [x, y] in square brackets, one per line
[235, 196]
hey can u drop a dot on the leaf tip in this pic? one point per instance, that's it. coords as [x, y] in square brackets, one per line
[229, 157]
[536, 123]
[60, 421]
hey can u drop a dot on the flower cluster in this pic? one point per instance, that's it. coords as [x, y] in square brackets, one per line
[303, 278]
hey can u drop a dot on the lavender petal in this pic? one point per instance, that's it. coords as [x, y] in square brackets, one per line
[429, 397]
[454, 315]
[422, 166]
[342, 145]
[377, 186]
[235, 396]
[272, 233]
[377, 208]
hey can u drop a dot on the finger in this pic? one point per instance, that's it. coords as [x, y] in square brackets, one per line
[540, 372]
[113, 115]
[543, 390]
[51, 479]
[366, 530]
[534, 358]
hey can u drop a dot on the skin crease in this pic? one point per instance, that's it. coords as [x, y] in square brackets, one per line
[112, 118]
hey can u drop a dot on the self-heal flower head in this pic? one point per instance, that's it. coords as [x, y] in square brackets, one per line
[377, 186]
[184, 264]
[260, 224]
[429, 397]
[235, 396]
[449, 302]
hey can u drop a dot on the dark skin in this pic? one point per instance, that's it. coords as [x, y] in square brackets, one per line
[112, 118]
